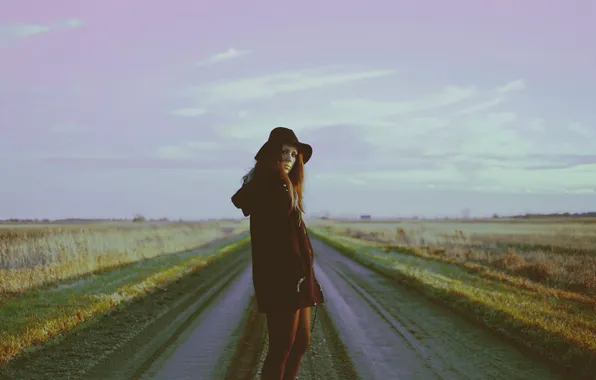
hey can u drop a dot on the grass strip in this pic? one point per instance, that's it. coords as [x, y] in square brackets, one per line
[45, 315]
[559, 330]
[246, 360]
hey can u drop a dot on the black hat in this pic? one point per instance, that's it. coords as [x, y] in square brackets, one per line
[280, 136]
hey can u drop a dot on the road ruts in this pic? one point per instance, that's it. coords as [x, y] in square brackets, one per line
[197, 308]
[201, 350]
[369, 328]
[326, 358]
[393, 333]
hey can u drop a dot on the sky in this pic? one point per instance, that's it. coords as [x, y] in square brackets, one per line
[113, 108]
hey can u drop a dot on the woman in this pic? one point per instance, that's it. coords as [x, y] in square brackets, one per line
[282, 255]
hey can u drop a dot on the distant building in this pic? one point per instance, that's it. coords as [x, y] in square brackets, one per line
[365, 217]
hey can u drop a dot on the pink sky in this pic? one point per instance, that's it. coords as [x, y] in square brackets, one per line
[472, 101]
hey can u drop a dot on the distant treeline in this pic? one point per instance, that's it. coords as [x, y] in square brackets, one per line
[591, 214]
[65, 221]
[137, 218]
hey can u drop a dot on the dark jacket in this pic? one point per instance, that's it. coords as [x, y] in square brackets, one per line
[282, 255]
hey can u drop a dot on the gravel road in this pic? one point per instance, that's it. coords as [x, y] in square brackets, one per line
[370, 328]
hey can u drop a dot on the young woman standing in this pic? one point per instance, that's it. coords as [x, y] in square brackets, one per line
[282, 255]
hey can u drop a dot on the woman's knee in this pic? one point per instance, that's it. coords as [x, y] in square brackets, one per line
[280, 347]
[301, 341]
[282, 333]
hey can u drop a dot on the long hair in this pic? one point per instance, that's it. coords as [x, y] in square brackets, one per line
[294, 179]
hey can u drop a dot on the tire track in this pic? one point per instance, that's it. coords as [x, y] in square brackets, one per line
[137, 355]
[195, 352]
[399, 328]
[327, 357]
[392, 332]
[251, 348]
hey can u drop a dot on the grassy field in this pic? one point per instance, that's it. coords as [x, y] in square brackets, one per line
[34, 256]
[521, 280]
[559, 254]
[57, 278]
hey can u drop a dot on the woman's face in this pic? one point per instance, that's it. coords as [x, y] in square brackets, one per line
[288, 157]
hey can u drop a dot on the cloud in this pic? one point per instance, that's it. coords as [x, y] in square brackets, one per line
[385, 122]
[449, 176]
[203, 145]
[129, 163]
[173, 151]
[267, 86]
[188, 149]
[580, 129]
[498, 99]
[9, 32]
[536, 125]
[189, 112]
[73, 23]
[449, 95]
[30, 30]
[517, 85]
[583, 176]
[227, 55]
[356, 181]
[448, 126]
[192, 154]
[487, 134]
[560, 161]
[481, 106]
[387, 119]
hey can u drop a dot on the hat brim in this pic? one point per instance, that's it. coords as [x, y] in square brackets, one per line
[303, 148]
[306, 151]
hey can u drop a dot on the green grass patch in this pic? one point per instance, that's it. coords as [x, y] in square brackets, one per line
[36, 317]
[559, 329]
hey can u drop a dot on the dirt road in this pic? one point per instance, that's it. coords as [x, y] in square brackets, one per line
[370, 328]
[393, 333]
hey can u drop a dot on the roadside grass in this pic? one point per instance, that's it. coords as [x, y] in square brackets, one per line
[34, 256]
[45, 315]
[560, 256]
[559, 326]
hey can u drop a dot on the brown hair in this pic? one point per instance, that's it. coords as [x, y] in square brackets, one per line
[294, 179]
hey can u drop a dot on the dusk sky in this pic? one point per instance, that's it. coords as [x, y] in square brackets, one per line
[112, 108]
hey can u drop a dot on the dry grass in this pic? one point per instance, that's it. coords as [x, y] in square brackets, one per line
[42, 316]
[560, 255]
[560, 325]
[36, 256]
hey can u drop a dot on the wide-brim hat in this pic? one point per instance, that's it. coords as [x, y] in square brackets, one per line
[280, 136]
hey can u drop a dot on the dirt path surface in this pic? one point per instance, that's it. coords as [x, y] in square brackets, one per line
[370, 328]
[208, 337]
[392, 333]
[187, 340]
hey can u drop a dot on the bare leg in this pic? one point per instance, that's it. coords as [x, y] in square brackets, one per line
[301, 343]
[282, 332]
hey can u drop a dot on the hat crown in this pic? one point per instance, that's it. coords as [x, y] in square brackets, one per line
[281, 134]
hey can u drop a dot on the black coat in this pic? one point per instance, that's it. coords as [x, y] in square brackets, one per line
[282, 255]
